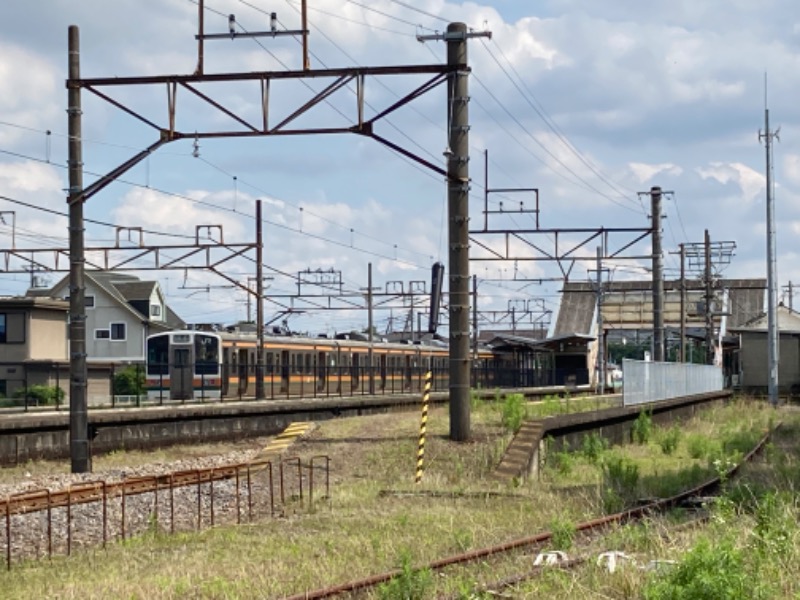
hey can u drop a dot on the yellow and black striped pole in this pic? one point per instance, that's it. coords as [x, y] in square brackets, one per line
[426, 394]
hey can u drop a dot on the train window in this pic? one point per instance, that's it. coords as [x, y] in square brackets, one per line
[309, 370]
[270, 363]
[206, 354]
[158, 355]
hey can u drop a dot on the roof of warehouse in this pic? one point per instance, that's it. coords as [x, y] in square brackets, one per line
[578, 301]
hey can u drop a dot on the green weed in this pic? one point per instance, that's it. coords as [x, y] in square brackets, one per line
[642, 428]
[669, 440]
[514, 412]
[409, 584]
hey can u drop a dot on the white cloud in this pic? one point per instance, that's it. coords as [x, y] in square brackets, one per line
[154, 210]
[645, 172]
[750, 182]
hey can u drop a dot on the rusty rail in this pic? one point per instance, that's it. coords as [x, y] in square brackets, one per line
[592, 525]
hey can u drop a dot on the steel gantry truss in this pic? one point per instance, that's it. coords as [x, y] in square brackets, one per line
[454, 72]
[564, 246]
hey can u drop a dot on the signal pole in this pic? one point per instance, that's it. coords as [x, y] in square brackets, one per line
[772, 276]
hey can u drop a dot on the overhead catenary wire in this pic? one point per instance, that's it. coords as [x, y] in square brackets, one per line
[532, 101]
[225, 209]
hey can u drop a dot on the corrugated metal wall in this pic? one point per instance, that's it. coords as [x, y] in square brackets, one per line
[644, 381]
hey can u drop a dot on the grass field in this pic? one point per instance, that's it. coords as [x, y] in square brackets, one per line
[377, 519]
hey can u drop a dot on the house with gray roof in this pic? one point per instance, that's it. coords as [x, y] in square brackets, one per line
[121, 311]
[753, 375]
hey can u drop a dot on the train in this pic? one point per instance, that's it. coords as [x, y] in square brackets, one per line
[203, 365]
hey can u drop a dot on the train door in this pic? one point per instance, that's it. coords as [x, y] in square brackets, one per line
[243, 366]
[354, 372]
[180, 375]
[407, 372]
[226, 372]
[383, 371]
[321, 364]
[285, 370]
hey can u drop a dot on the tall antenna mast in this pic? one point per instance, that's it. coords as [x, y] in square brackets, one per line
[772, 277]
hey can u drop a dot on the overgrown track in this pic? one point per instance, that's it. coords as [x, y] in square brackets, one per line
[588, 527]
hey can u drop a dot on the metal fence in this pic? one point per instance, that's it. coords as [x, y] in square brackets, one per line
[645, 381]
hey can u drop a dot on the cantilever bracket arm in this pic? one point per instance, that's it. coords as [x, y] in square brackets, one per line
[109, 177]
[404, 152]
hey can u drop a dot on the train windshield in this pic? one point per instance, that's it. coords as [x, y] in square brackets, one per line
[206, 352]
[158, 355]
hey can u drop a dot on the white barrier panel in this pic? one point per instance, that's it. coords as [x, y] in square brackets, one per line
[644, 381]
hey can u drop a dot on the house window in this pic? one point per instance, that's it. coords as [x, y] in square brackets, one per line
[155, 310]
[102, 334]
[118, 331]
[88, 301]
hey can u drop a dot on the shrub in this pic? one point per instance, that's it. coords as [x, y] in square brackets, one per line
[642, 428]
[707, 571]
[621, 476]
[563, 462]
[669, 440]
[593, 445]
[514, 412]
[410, 584]
[563, 531]
[699, 445]
[41, 395]
[130, 381]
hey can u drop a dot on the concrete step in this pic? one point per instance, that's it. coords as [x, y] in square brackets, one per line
[520, 452]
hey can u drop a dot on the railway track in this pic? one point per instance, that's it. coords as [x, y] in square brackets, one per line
[591, 527]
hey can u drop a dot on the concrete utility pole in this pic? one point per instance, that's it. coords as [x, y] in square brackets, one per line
[709, 297]
[369, 329]
[658, 277]
[458, 231]
[474, 317]
[80, 453]
[789, 291]
[260, 395]
[683, 304]
[772, 275]
[601, 359]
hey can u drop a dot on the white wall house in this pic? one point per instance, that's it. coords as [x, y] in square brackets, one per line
[121, 311]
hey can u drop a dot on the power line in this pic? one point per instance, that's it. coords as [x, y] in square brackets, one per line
[220, 208]
[539, 110]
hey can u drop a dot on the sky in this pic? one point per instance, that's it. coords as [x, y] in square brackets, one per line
[591, 103]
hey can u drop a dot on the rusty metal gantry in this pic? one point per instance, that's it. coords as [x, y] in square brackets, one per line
[241, 127]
